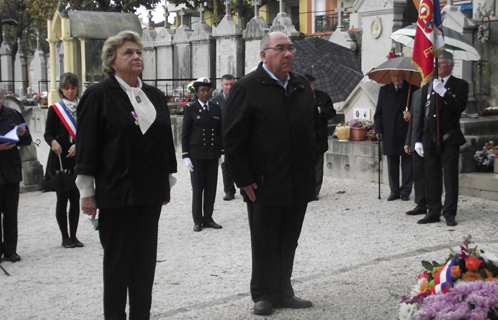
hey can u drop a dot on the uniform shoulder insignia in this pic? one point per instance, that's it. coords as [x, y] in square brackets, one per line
[188, 105]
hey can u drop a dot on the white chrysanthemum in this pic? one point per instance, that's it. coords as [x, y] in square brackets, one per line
[489, 257]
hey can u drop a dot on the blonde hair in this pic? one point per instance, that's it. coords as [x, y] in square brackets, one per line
[113, 43]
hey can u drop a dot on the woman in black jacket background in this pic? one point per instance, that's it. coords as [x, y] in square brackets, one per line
[62, 143]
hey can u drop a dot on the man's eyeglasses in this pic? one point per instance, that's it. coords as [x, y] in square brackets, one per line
[282, 49]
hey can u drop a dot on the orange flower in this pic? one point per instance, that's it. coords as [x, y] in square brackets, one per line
[424, 287]
[471, 276]
[423, 275]
[489, 276]
[456, 272]
[472, 263]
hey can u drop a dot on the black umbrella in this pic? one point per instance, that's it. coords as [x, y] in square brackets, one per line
[62, 180]
[335, 68]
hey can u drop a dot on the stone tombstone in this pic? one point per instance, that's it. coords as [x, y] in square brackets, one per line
[38, 66]
[164, 54]
[340, 35]
[6, 65]
[149, 52]
[203, 49]
[378, 19]
[20, 70]
[229, 47]
[255, 30]
[283, 23]
[181, 53]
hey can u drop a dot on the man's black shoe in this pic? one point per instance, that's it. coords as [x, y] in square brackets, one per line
[405, 198]
[228, 196]
[293, 303]
[450, 222]
[429, 218]
[416, 212]
[213, 225]
[262, 308]
[197, 228]
[13, 257]
[393, 197]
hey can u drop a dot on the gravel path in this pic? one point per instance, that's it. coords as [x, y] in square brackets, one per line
[353, 252]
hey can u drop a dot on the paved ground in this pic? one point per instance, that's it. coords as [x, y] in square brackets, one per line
[353, 252]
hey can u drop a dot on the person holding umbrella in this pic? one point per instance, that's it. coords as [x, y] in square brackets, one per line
[391, 126]
[60, 135]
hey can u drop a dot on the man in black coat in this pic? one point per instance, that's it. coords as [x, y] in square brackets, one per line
[416, 113]
[227, 81]
[326, 111]
[391, 127]
[202, 151]
[450, 94]
[10, 176]
[269, 139]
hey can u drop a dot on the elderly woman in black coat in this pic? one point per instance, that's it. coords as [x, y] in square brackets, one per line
[125, 149]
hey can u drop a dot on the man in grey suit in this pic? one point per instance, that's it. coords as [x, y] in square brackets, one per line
[227, 81]
[416, 113]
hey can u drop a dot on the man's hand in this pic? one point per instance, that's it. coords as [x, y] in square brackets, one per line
[89, 206]
[438, 87]
[250, 191]
[379, 136]
[188, 164]
[6, 146]
[408, 150]
[419, 148]
[21, 131]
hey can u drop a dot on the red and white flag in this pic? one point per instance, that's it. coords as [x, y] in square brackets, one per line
[429, 38]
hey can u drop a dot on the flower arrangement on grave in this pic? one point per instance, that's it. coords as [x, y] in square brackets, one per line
[41, 98]
[188, 98]
[360, 123]
[392, 54]
[371, 135]
[465, 286]
[24, 100]
[485, 158]
[482, 33]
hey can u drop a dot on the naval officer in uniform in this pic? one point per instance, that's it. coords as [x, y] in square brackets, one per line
[202, 152]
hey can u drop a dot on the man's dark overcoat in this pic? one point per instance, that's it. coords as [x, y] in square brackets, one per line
[388, 118]
[269, 137]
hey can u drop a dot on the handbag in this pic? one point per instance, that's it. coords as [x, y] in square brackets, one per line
[62, 180]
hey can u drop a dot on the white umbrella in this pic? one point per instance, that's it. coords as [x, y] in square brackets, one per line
[455, 43]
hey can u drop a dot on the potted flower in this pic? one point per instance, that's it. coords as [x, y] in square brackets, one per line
[343, 131]
[371, 135]
[359, 128]
[485, 158]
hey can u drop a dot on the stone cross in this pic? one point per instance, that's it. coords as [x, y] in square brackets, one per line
[256, 3]
[201, 12]
[151, 23]
[38, 40]
[166, 15]
[227, 7]
[281, 6]
[339, 11]
[181, 14]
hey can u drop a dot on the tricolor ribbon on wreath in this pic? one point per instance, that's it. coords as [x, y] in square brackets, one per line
[443, 280]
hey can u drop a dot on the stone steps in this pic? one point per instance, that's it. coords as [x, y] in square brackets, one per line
[479, 184]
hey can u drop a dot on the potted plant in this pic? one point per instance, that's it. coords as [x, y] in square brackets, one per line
[343, 131]
[359, 128]
[485, 158]
[371, 135]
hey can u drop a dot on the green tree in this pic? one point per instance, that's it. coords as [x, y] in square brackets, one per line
[24, 18]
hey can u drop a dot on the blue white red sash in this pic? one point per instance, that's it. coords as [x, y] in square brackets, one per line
[443, 280]
[66, 118]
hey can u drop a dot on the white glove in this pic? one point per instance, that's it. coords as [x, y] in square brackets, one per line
[419, 148]
[438, 87]
[221, 159]
[189, 164]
